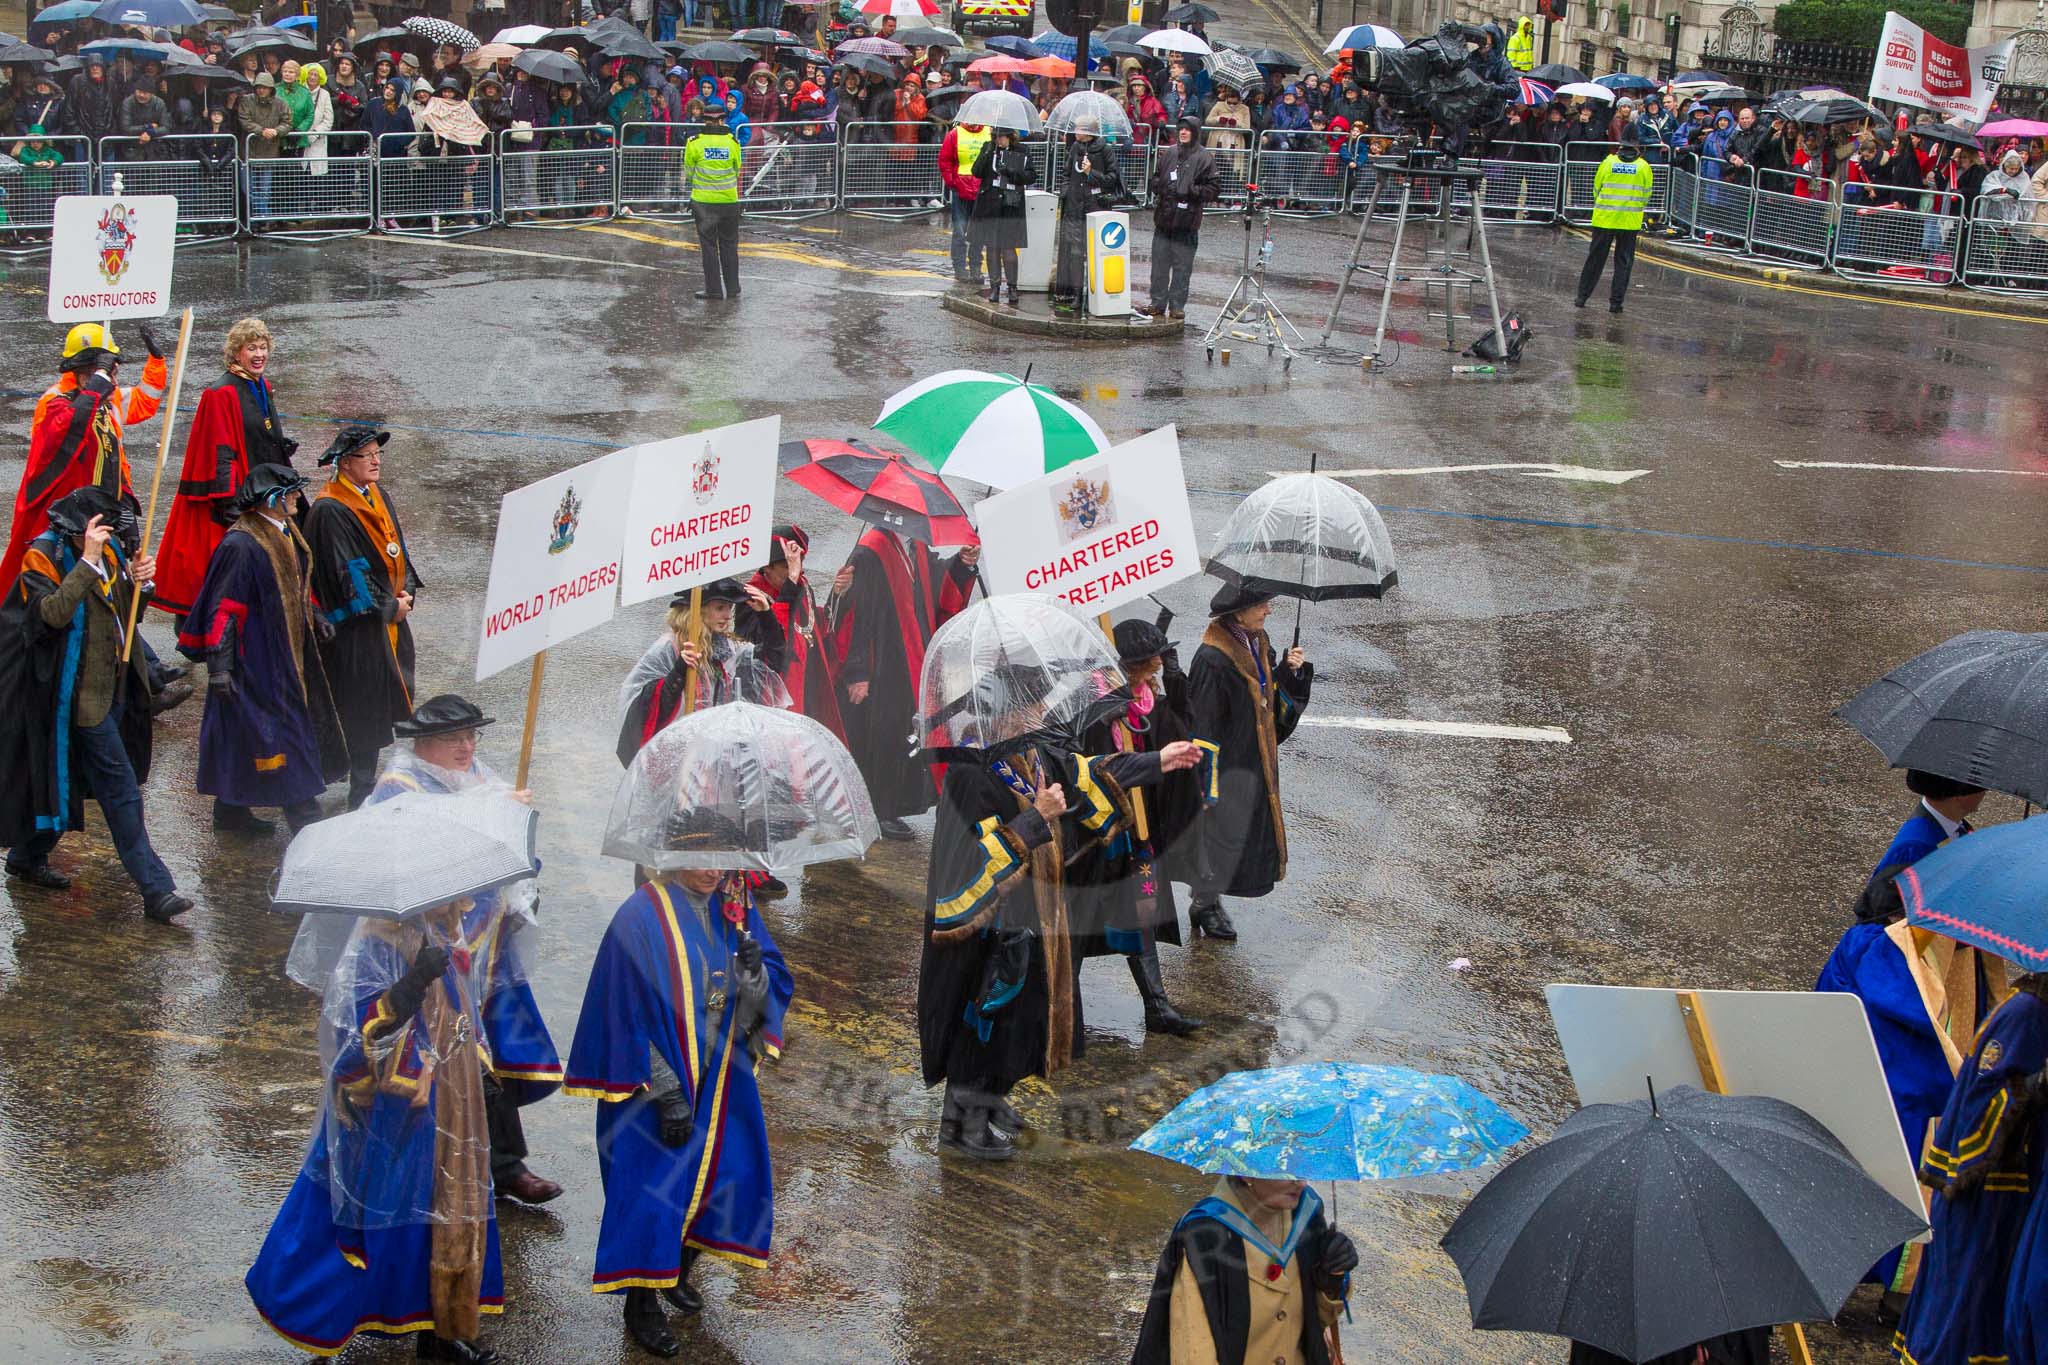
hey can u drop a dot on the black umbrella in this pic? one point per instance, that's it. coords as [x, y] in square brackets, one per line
[1125, 33]
[262, 41]
[1974, 709]
[873, 65]
[1833, 109]
[1191, 13]
[627, 43]
[559, 38]
[719, 50]
[928, 37]
[392, 40]
[1122, 49]
[1643, 1228]
[24, 52]
[1274, 59]
[1556, 73]
[544, 65]
[768, 37]
[1933, 132]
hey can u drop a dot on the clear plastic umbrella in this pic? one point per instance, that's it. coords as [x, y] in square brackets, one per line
[1090, 111]
[1009, 666]
[741, 786]
[1305, 536]
[999, 109]
[407, 855]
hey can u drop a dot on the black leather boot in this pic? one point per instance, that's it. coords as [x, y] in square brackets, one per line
[964, 1126]
[648, 1325]
[1208, 917]
[1004, 1117]
[1160, 1015]
[683, 1296]
[433, 1347]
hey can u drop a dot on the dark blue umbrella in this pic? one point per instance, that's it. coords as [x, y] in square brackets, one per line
[1624, 83]
[1696, 77]
[66, 11]
[150, 13]
[1989, 891]
[1011, 45]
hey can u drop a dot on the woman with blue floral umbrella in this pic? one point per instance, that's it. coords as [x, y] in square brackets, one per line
[1255, 1271]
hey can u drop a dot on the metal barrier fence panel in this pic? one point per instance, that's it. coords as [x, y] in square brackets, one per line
[1514, 190]
[1311, 182]
[1133, 167]
[546, 183]
[1725, 205]
[32, 182]
[199, 170]
[882, 178]
[1791, 229]
[1234, 165]
[1685, 200]
[1579, 170]
[2007, 251]
[1899, 245]
[432, 196]
[784, 174]
[651, 179]
[321, 187]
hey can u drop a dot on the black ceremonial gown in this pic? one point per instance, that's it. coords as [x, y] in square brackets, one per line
[1211, 1242]
[996, 871]
[1245, 705]
[880, 633]
[360, 562]
[1129, 888]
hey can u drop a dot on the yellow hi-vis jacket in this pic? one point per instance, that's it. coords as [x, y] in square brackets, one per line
[712, 161]
[1522, 45]
[1621, 191]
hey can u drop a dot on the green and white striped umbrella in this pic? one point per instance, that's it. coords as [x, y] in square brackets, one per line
[994, 429]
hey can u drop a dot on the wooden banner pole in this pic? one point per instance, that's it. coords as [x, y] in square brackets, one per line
[163, 451]
[695, 633]
[540, 664]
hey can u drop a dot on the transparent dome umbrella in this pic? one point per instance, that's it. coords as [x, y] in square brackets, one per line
[999, 109]
[405, 856]
[1075, 111]
[1009, 666]
[1305, 536]
[741, 786]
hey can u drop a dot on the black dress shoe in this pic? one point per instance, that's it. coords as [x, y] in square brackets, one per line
[648, 1325]
[683, 1297]
[176, 694]
[166, 674]
[433, 1347]
[166, 908]
[893, 828]
[1208, 917]
[1614, 308]
[39, 874]
[702, 294]
[238, 819]
[973, 1135]
[1578, 303]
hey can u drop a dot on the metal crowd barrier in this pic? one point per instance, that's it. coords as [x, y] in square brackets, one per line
[1724, 207]
[1683, 218]
[547, 186]
[29, 190]
[2007, 251]
[1786, 228]
[1312, 182]
[199, 170]
[783, 175]
[882, 178]
[1899, 245]
[429, 195]
[1516, 190]
[322, 187]
[1234, 165]
[1577, 205]
[1133, 166]
[651, 179]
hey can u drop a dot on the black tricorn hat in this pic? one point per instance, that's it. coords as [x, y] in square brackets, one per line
[267, 483]
[792, 533]
[353, 438]
[1137, 640]
[441, 715]
[70, 513]
[724, 590]
[1235, 597]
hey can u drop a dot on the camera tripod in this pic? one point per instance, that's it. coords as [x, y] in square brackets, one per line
[1249, 313]
[1447, 178]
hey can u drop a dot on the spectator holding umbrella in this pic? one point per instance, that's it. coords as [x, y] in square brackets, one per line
[1003, 171]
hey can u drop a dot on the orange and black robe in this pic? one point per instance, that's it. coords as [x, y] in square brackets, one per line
[360, 564]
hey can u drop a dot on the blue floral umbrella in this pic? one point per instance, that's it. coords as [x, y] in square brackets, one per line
[1334, 1121]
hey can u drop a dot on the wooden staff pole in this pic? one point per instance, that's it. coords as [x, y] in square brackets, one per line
[695, 633]
[1708, 1057]
[540, 664]
[163, 451]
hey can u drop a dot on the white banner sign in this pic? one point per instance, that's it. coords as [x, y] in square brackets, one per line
[702, 508]
[1915, 67]
[555, 569]
[110, 256]
[1097, 533]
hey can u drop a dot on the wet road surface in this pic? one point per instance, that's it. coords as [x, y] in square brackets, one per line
[1708, 824]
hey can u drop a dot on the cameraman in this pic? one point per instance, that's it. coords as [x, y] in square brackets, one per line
[1183, 180]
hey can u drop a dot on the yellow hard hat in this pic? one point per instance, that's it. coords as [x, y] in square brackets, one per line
[89, 336]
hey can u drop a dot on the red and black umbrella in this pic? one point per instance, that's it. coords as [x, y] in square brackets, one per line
[881, 489]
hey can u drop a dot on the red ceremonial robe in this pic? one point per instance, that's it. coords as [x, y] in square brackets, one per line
[75, 441]
[788, 638]
[216, 462]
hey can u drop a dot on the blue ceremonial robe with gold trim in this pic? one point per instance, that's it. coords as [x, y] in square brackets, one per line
[317, 1282]
[657, 972]
[1983, 1169]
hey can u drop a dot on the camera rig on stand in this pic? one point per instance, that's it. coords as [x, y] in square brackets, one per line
[1249, 313]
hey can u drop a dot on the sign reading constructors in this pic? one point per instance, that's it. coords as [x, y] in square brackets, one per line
[702, 508]
[1914, 67]
[1097, 533]
[555, 569]
[110, 256]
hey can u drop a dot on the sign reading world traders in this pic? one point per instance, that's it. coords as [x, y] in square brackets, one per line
[555, 567]
[110, 256]
[702, 508]
[1096, 533]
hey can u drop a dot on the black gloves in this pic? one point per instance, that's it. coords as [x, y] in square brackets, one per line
[323, 629]
[750, 996]
[98, 382]
[151, 341]
[1340, 1258]
[749, 954]
[675, 1118]
[405, 998]
[220, 683]
[291, 448]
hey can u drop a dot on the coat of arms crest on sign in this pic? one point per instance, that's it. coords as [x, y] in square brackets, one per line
[1083, 507]
[116, 240]
[562, 527]
[704, 477]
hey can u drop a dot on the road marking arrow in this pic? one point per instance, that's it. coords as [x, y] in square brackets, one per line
[1907, 468]
[1457, 729]
[1533, 471]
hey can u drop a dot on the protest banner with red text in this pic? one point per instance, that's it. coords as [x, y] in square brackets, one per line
[1097, 533]
[555, 568]
[702, 508]
[1915, 67]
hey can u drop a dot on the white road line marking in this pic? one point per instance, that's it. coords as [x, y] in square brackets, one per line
[1908, 468]
[1457, 729]
[1528, 470]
